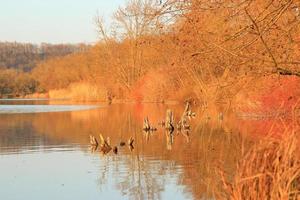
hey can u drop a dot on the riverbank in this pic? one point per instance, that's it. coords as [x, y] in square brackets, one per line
[265, 97]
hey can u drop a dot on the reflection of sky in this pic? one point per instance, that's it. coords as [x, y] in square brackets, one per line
[78, 175]
[45, 155]
[6, 109]
[54, 21]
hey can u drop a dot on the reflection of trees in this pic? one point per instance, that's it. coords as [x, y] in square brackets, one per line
[141, 182]
[18, 133]
[144, 178]
[169, 138]
[103, 176]
[198, 153]
[192, 161]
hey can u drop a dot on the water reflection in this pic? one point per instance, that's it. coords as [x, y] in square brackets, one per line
[11, 109]
[48, 156]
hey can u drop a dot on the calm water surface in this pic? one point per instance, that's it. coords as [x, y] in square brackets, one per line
[45, 153]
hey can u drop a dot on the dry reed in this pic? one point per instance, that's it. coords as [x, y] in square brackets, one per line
[269, 170]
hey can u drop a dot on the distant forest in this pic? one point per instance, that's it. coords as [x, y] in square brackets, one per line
[25, 56]
[17, 60]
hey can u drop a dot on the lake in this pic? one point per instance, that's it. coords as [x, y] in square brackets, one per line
[45, 152]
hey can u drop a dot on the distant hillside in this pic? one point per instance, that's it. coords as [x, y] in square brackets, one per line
[24, 56]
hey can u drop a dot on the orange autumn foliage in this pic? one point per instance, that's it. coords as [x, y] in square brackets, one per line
[226, 52]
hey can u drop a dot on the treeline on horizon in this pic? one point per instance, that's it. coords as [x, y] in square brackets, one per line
[211, 51]
[18, 59]
[25, 56]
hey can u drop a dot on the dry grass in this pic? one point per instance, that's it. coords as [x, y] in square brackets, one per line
[80, 92]
[269, 170]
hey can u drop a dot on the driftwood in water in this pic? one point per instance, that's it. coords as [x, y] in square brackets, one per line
[147, 126]
[186, 134]
[93, 141]
[183, 125]
[130, 143]
[122, 143]
[131, 148]
[169, 139]
[188, 111]
[187, 108]
[105, 145]
[115, 149]
[147, 135]
[162, 123]
[93, 148]
[169, 124]
[186, 115]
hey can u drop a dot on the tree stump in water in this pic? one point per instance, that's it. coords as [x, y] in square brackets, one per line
[186, 115]
[93, 141]
[147, 127]
[188, 111]
[169, 139]
[130, 143]
[169, 124]
[104, 145]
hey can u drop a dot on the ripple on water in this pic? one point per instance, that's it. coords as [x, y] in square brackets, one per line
[10, 109]
[31, 149]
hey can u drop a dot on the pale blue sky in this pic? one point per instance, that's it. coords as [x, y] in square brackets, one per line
[54, 21]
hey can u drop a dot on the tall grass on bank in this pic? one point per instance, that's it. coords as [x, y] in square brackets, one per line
[269, 170]
[80, 92]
